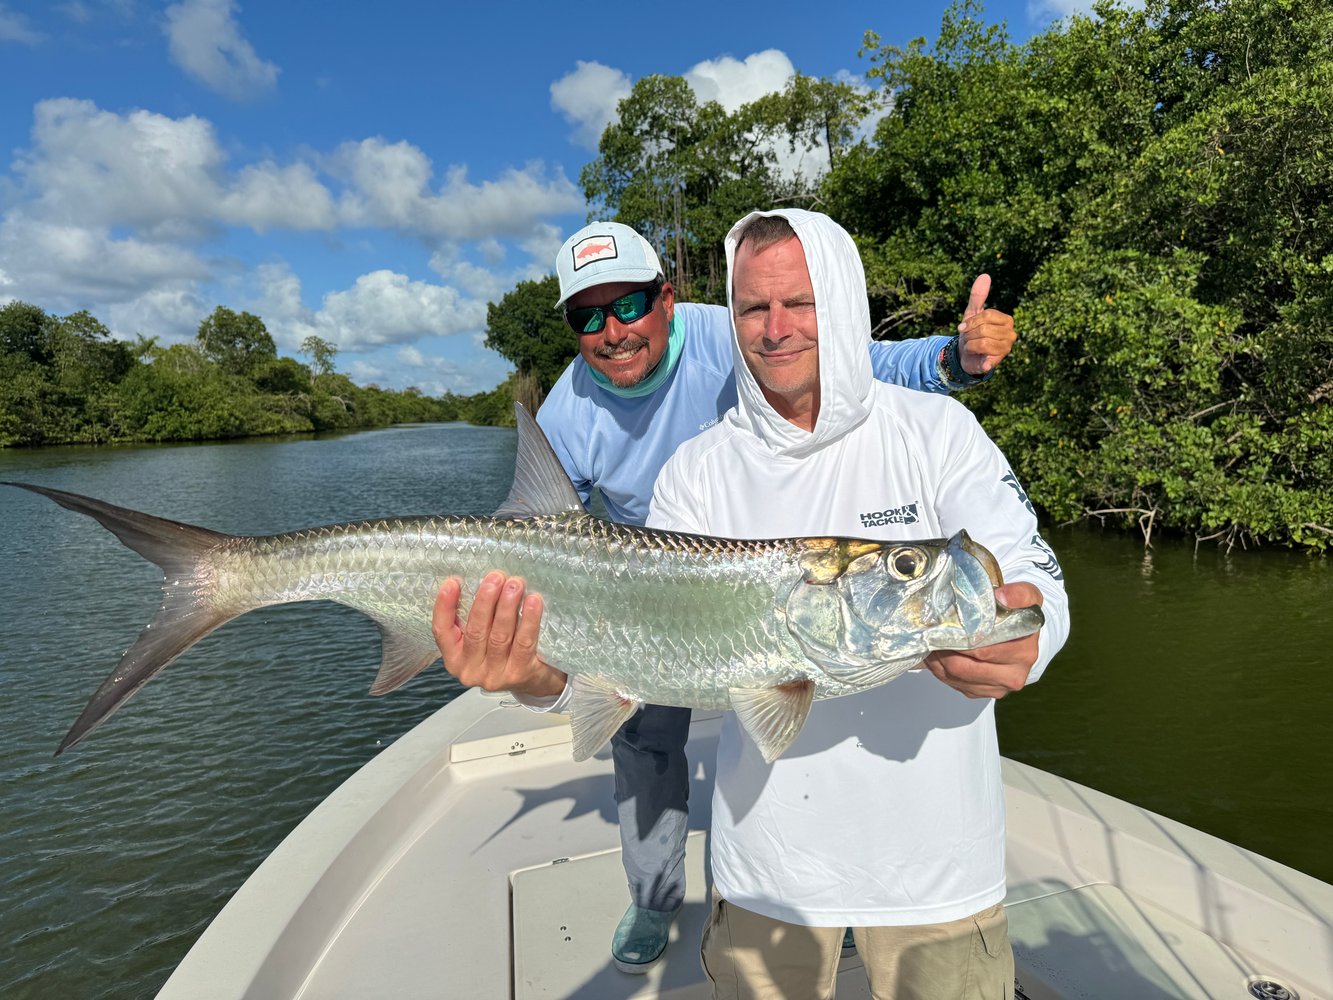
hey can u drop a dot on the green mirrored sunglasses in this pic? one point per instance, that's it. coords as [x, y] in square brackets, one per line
[627, 309]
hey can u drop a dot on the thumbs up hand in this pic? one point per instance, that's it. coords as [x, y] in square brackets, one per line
[985, 336]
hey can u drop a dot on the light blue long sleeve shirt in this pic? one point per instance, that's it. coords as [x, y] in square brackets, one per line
[618, 445]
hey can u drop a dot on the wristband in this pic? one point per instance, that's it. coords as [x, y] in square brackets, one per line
[951, 369]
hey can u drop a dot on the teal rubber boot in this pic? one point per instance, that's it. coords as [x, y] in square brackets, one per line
[640, 938]
[848, 943]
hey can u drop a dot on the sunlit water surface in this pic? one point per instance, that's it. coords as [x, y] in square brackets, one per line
[1194, 684]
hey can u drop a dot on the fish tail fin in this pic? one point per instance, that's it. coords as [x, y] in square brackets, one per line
[174, 546]
[173, 630]
[188, 612]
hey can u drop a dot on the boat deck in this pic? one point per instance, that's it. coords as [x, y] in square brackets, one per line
[475, 859]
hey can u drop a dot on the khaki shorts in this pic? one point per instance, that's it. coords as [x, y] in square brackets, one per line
[751, 957]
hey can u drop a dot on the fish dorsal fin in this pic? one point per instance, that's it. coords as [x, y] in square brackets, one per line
[404, 657]
[774, 716]
[596, 711]
[541, 485]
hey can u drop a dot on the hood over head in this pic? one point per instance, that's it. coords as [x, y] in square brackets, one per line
[842, 312]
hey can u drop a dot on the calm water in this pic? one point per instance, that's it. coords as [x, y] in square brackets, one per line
[1197, 685]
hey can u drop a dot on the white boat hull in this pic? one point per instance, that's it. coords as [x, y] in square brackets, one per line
[475, 859]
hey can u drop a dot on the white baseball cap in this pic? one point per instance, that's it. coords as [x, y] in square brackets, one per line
[603, 253]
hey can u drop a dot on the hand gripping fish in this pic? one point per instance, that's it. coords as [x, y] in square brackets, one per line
[633, 615]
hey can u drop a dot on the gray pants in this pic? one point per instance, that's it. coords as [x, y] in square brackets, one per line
[652, 794]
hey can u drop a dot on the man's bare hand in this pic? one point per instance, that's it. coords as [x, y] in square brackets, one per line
[991, 671]
[497, 648]
[985, 336]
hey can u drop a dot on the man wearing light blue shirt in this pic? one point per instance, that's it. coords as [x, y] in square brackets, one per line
[651, 374]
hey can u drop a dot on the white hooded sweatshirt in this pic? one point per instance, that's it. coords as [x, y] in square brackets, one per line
[889, 808]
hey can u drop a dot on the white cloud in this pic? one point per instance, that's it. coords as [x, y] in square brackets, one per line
[98, 168]
[436, 375]
[415, 315]
[266, 196]
[733, 82]
[587, 97]
[1044, 11]
[60, 266]
[387, 308]
[172, 314]
[485, 283]
[166, 177]
[78, 12]
[381, 307]
[383, 310]
[15, 28]
[205, 41]
[490, 281]
[391, 186]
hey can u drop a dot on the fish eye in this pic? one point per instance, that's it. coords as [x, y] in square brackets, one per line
[906, 563]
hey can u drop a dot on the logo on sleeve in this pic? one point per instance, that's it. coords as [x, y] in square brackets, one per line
[592, 249]
[1012, 480]
[906, 514]
[1050, 565]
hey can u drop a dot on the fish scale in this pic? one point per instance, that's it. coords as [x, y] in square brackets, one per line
[664, 631]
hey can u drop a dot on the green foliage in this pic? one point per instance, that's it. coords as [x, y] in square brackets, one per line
[23, 331]
[321, 354]
[58, 376]
[238, 343]
[66, 380]
[988, 153]
[1150, 191]
[527, 329]
[681, 173]
[283, 377]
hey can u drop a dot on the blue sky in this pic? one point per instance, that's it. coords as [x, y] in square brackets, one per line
[371, 173]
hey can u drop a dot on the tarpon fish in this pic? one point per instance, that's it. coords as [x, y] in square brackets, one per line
[633, 615]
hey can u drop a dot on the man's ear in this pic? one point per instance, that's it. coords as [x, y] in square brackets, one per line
[668, 297]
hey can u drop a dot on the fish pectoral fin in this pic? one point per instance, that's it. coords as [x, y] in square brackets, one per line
[774, 716]
[596, 711]
[868, 675]
[405, 656]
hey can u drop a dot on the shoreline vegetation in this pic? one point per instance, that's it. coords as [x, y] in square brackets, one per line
[1151, 190]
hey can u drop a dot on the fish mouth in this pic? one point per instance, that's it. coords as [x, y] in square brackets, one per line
[982, 555]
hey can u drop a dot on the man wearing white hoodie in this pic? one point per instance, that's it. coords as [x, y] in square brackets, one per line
[651, 373]
[887, 814]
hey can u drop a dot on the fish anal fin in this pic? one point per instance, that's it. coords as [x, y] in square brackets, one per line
[596, 711]
[405, 656]
[774, 716]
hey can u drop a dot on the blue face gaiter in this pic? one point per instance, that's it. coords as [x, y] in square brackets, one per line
[675, 339]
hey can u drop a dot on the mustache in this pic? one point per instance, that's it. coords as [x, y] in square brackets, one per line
[628, 344]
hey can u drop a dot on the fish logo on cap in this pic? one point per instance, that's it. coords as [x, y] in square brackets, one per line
[594, 248]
